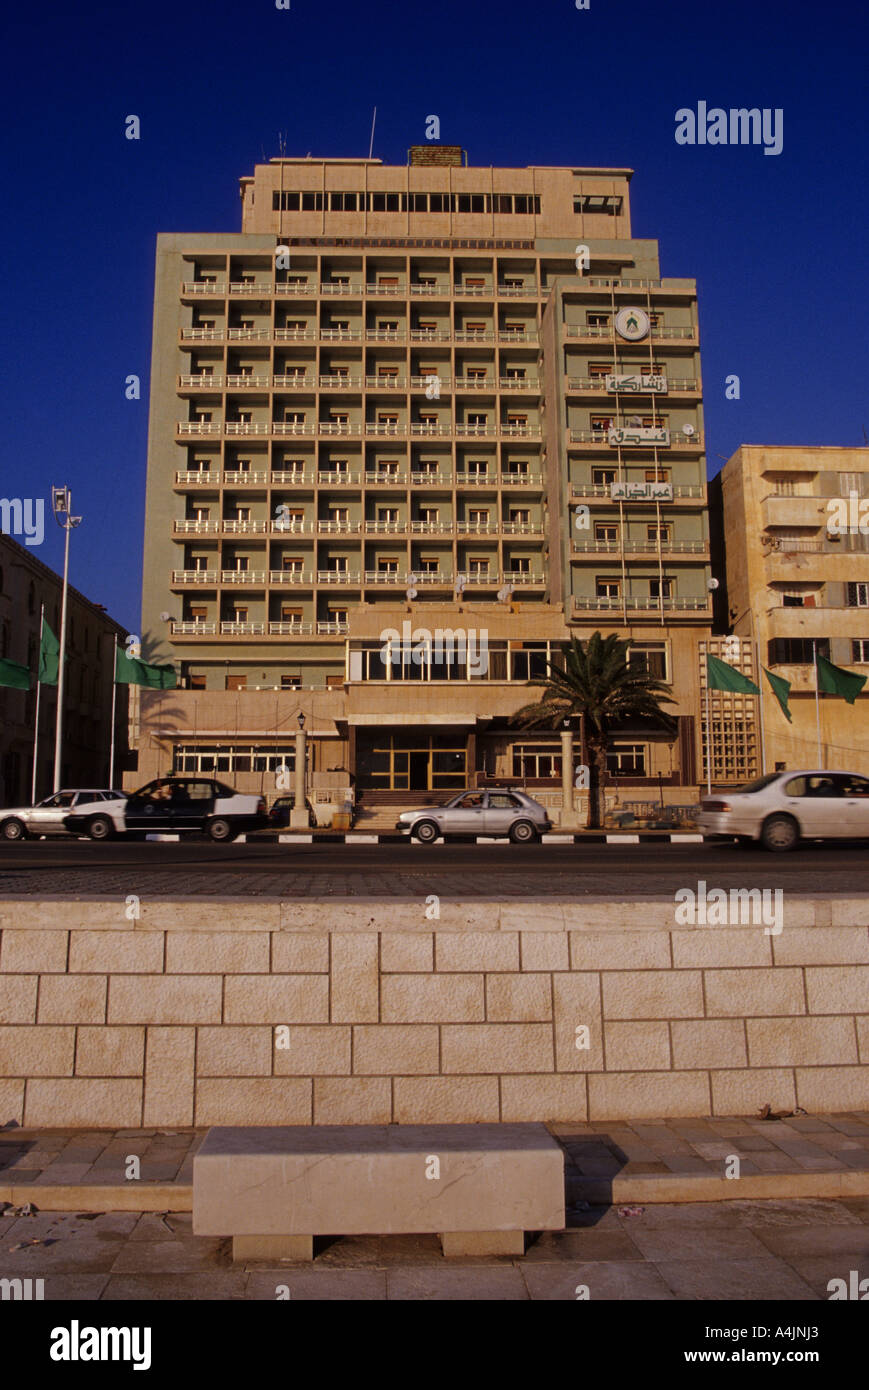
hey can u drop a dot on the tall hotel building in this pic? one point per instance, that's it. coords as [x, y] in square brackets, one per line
[451, 397]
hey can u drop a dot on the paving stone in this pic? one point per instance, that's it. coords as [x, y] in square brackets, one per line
[722, 1243]
[818, 1270]
[619, 1280]
[332, 1285]
[807, 1241]
[805, 1212]
[485, 1284]
[169, 1256]
[169, 1288]
[64, 1288]
[589, 1246]
[761, 1279]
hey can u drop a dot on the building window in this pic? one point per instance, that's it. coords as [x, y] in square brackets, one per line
[796, 651]
[860, 649]
[661, 588]
[197, 682]
[857, 595]
[193, 757]
[521, 515]
[520, 564]
[291, 682]
[478, 564]
[607, 588]
[650, 658]
[387, 566]
[537, 761]
[626, 760]
[654, 534]
[606, 531]
[597, 320]
[603, 477]
[236, 682]
[657, 475]
[428, 564]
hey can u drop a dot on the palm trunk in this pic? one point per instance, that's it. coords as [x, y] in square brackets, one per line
[597, 780]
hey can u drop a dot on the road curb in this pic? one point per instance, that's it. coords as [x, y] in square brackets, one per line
[700, 1187]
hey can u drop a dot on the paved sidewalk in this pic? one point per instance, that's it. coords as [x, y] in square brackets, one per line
[673, 1160]
[84, 1247]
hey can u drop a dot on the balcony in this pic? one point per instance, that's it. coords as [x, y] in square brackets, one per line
[384, 577]
[786, 545]
[290, 629]
[339, 291]
[386, 528]
[290, 577]
[243, 577]
[430, 291]
[385, 335]
[473, 383]
[525, 383]
[430, 479]
[262, 289]
[640, 603]
[235, 629]
[431, 528]
[596, 386]
[201, 288]
[339, 427]
[431, 335]
[198, 428]
[338, 577]
[289, 526]
[295, 335]
[477, 431]
[190, 527]
[248, 427]
[518, 292]
[474, 335]
[232, 526]
[248, 335]
[291, 381]
[325, 629]
[205, 382]
[188, 628]
[284, 428]
[341, 335]
[200, 477]
[425, 430]
[387, 291]
[663, 333]
[681, 491]
[245, 477]
[340, 383]
[202, 577]
[385, 479]
[385, 431]
[339, 528]
[285, 476]
[330, 478]
[203, 335]
[778, 509]
[387, 383]
[641, 547]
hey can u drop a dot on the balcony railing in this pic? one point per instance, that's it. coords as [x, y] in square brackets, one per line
[283, 476]
[289, 381]
[192, 628]
[202, 287]
[339, 528]
[419, 429]
[640, 547]
[242, 576]
[206, 577]
[331, 290]
[289, 577]
[289, 629]
[291, 427]
[338, 577]
[430, 335]
[597, 385]
[325, 629]
[385, 383]
[340, 383]
[329, 478]
[200, 477]
[385, 479]
[199, 427]
[248, 427]
[238, 629]
[245, 477]
[196, 528]
[341, 335]
[295, 335]
[662, 332]
[640, 602]
[204, 382]
[255, 289]
[232, 526]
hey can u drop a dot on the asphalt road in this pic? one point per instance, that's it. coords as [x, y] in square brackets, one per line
[81, 868]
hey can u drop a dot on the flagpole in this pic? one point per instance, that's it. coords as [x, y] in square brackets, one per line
[760, 703]
[114, 697]
[708, 732]
[817, 700]
[36, 720]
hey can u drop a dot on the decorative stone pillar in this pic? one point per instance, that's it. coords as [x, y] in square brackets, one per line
[299, 813]
[568, 816]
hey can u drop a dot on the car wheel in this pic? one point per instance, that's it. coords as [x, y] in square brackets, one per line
[427, 831]
[14, 830]
[100, 828]
[779, 833]
[522, 832]
[221, 830]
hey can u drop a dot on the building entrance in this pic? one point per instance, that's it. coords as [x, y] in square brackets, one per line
[410, 761]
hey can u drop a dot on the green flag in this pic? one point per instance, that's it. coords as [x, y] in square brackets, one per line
[781, 689]
[15, 676]
[49, 656]
[129, 670]
[834, 681]
[723, 677]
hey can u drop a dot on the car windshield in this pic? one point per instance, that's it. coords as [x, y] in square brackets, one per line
[758, 784]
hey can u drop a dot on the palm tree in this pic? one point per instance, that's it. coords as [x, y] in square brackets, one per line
[596, 679]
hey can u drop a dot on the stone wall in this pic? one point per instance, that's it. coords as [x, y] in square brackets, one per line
[169, 1019]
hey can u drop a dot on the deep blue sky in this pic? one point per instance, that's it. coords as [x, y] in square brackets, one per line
[778, 244]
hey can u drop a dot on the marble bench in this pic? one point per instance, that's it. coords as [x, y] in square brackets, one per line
[479, 1187]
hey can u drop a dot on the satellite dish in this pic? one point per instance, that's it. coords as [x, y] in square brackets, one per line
[504, 594]
[635, 420]
[410, 593]
[164, 617]
[712, 585]
[688, 429]
[460, 584]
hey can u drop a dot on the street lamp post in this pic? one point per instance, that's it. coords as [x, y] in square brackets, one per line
[61, 502]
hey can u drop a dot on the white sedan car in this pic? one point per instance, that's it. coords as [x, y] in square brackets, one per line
[782, 808]
[47, 817]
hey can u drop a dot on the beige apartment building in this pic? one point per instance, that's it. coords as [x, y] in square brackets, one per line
[796, 537]
[26, 585]
[457, 398]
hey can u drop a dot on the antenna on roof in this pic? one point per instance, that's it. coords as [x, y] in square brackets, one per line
[371, 146]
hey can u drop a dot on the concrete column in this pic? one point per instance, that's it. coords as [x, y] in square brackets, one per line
[567, 812]
[299, 813]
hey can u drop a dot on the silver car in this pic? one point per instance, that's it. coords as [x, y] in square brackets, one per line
[495, 812]
[782, 808]
[47, 817]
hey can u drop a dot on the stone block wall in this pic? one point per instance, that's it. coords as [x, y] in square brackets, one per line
[177, 1018]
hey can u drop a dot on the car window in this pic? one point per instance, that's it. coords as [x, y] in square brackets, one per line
[857, 786]
[820, 785]
[221, 789]
[195, 791]
[60, 799]
[470, 800]
[795, 787]
[503, 799]
[759, 783]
